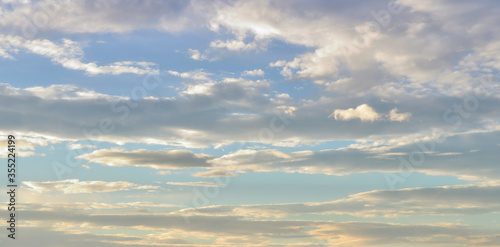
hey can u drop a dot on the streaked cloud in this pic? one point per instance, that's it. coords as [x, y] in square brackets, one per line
[172, 159]
[198, 184]
[214, 173]
[74, 186]
[446, 200]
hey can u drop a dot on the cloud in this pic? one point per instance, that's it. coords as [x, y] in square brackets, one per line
[279, 63]
[214, 173]
[213, 228]
[93, 207]
[400, 117]
[445, 200]
[74, 146]
[221, 112]
[52, 236]
[69, 54]
[164, 172]
[198, 184]
[74, 186]
[202, 121]
[195, 75]
[355, 42]
[73, 17]
[406, 93]
[255, 72]
[208, 224]
[233, 45]
[172, 159]
[421, 154]
[195, 54]
[364, 112]
[383, 234]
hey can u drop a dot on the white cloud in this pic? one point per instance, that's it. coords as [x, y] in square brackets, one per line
[69, 54]
[279, 63]
[74, 146]
[356, 41]
[195, 75]
[366, 113]
[195, 54]
[233, 45]
[363, 112]
[255, 72]
[400, 117]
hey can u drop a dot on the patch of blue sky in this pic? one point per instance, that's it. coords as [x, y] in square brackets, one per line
[31, 70]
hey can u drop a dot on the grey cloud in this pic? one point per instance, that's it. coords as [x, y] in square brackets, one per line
[95, 16]
[225, 112]
[172, 159]
[408, 155]
[44, 237]
[447, 200]
[362, 233]
[214, 173]
[231, 225]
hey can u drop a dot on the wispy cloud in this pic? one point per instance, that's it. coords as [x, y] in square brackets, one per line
[74, 186]
[69, 54]
[200, 184]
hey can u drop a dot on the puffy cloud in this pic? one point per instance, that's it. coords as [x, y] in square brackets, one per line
[74, 186]
[372, 43]
[195, 54]
[364, 112]
[400, 117]
[255, 72]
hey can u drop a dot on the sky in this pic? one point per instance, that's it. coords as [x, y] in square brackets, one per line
[252, 123]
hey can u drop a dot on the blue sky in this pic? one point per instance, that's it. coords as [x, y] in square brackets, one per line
[253, 123]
